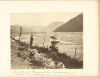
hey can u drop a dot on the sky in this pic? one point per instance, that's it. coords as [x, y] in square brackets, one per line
[43, 19]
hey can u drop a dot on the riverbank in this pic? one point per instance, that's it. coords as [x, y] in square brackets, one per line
[24, 57]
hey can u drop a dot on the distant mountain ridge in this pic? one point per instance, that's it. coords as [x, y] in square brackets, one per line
[52, 26]
[15, 29]
[73, 25]
[33, 28]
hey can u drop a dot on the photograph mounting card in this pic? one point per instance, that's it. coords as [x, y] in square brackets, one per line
[49, 38]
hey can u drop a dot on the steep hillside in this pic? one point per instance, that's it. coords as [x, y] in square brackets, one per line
[73, 25]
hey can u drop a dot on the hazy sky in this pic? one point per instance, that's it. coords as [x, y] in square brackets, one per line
[43, 19]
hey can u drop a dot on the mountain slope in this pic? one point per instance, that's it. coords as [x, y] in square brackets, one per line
[52, 26]
[73, 25]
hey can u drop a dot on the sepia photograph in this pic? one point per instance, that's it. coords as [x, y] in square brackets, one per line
[49, 39]
[46, 40]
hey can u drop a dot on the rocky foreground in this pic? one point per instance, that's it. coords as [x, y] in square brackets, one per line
[24, 57]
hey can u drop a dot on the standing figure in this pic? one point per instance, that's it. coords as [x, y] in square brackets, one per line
[31, 40]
